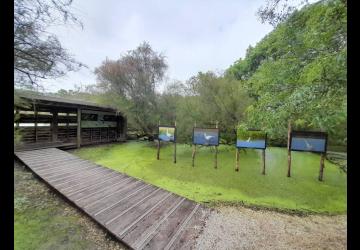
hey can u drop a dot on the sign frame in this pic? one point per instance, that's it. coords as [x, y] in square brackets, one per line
[309, 134]
[218, 141]
[252, 129]
[167, 126]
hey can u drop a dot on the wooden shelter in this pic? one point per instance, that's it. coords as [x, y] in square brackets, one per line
[47, 121]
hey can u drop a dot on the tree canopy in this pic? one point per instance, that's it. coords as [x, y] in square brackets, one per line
[298, 72]
[133, 78]
[38, 54]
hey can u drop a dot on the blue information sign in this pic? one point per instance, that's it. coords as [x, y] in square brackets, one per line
[251, 139]
[206, 136]
[167, 133]
[310, 141]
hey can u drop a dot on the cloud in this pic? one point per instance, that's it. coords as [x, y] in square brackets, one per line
[195, 35]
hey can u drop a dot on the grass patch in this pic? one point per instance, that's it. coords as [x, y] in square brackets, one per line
[302, 192]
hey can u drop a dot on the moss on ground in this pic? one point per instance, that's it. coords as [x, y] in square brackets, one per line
[43, 220]
[302, 192]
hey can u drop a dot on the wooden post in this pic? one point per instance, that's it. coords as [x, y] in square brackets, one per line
[237, 159]
[216, 150]
[158, 146]
[36, 123]
[67, 126]
[194, 150]
[321, 172]
[193, 155]
[289, 150]
[78, 134]
[18, 117]
[54, 126]
[175, 144]
[124, 127]
[174, 152]
[263, 157]
[216, 153]
[158, 150]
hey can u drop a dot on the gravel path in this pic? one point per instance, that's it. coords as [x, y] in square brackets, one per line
[244, 228]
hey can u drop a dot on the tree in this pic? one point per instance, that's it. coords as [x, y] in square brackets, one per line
[298, 72]
[211, 98]
[38, 54]
[134, 78]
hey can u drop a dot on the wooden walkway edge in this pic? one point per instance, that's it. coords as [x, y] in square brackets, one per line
[140, 215]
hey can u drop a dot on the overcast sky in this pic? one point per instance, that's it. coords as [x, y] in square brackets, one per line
[194, 35]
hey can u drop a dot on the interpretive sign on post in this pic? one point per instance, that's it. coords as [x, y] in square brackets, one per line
[251, 138]
[310, 141]
[166, 134]
[206, 137]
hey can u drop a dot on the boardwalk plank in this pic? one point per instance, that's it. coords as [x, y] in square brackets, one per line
[113, 199]
[139, 214]
[121, 189]
[128, 216]
[164, 233]
[94, 179]
[97, 187]
[113, 210]
[188, 237]
[139, 230]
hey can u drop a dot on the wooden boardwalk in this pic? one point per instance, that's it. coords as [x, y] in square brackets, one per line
[140, 215]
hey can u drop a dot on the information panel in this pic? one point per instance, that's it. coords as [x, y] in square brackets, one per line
[251, 139]
[167, 133]
[310, 141]
[206, 136]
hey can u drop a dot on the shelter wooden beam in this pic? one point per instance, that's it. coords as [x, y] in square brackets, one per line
[78, 134]
[54, 126]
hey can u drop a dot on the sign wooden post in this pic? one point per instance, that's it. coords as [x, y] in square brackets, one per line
[263, 157]
[158, 147]
[158, 150]
[216, 150]
[194, 151]
[193, 155]
[175, 145]
[289, 150]
[237, 159]
[322, 159]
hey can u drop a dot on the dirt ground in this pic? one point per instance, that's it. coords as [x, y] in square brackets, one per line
[243, 228]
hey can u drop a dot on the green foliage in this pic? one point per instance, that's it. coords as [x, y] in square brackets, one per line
[302, 192]
[133, 78]
[298, 73]
[244, 134]
[210, 99]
